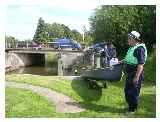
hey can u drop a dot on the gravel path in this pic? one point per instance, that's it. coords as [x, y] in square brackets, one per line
[62, 102]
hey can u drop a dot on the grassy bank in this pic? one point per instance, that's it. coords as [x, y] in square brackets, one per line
[105, 103]
[24, 103]
[98, 102]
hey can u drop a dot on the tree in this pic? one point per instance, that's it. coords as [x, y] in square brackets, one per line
[46, 32]
[41, 34]
[10, 41]
[56, 30]
[114, 22]
[76, 35]
[66, 31]
[88, 38]
[27, 40]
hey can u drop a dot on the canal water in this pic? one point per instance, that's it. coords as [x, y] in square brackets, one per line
[50, 68]
[36, 71]
[43, 71]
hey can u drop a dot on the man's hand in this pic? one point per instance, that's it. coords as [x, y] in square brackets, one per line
[120, 62]
[135, 81]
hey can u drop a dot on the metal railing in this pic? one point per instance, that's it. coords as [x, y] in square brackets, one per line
[26, 45]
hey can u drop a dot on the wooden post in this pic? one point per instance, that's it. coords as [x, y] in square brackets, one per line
[98, 61]
[93, 60]
[27, 45]
[60, 65]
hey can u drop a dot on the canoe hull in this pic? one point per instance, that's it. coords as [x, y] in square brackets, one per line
[113, 73]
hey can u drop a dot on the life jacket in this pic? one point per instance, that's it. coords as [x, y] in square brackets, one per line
[130, 58]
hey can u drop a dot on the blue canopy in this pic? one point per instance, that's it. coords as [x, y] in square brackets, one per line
[63, 40]
[66, 42]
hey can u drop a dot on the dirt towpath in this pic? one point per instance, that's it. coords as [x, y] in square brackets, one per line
[62, 102]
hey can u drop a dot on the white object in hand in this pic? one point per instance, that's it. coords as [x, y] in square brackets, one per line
[113, 61]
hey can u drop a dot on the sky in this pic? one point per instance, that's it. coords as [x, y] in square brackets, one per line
[22, 15]
[21, 20]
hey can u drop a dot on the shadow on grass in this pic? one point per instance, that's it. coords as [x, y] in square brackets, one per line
[88, 95]
[91, 96]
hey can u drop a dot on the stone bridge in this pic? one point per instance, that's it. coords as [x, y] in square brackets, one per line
[25, 57]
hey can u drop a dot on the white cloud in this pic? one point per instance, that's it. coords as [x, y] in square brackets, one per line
[20, 32]
[29, 16]
[70, 21]
[2, 23]
[24, 31]
[73, 23]
[30, 10]
[23, 22]
[65, 3]
[79, 5]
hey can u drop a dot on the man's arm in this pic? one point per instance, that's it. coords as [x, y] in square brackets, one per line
[140, 54]
[138, 73]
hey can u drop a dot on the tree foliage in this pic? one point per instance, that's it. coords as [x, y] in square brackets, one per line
[41, 34]
[10, 41]
[88, 38]
[115, 22]
[76, 35]
[47, 32]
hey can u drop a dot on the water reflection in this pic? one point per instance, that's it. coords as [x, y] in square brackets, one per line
[50, 68]
[43, 71]
[36, 71]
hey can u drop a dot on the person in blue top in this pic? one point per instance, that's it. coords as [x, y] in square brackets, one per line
[111, 50]
[108, 53]
[134, 65]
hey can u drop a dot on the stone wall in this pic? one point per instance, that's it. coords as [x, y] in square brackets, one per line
[70, 59]
[14, 61]
[66, 61]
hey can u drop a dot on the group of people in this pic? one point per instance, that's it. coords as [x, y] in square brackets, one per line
[134, 64]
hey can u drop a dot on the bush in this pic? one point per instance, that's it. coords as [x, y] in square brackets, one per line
[150, 67]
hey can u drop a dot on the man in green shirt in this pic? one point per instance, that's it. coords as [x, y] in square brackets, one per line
[134, 64]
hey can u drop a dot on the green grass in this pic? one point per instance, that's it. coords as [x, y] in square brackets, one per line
[150, 67]
[108, 102]
[24, 103]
